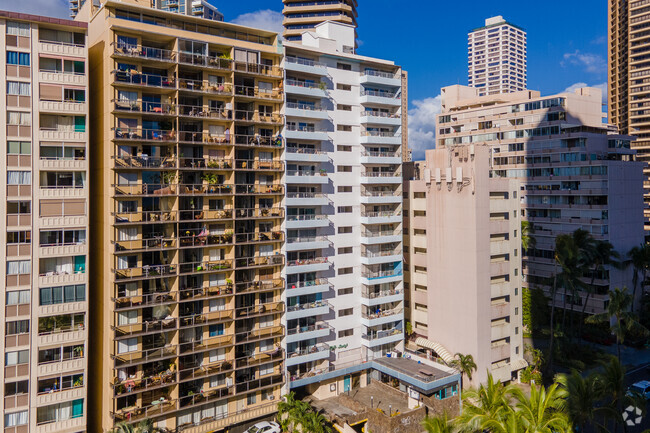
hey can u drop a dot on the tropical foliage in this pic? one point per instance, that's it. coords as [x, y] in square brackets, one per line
[295, 415]
[464, 364]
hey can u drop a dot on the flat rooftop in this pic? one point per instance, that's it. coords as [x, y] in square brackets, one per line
[374, 396]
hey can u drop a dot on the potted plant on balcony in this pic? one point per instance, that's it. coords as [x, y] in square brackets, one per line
[322, 85]
[323, 172]
[212, 179]
[78, 351]
[277, 235]
[227, 236]
[228, 283]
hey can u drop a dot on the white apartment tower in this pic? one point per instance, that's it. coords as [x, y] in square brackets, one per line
[497, 57]
[344, 210]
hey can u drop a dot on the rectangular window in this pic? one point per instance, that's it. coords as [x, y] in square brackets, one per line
[419, 213]
[19, 267]
[344, 168]
[344, 189]
[419, 195]
[19, 118]
[420, 307]
[17, 327]
[346, 333]
[417, 250]
[345, 250]
[16, 358]
[344, 128]
[420, 269]
[345, 230]
[19, 148]
[419, 288]
[344, 148]
[344, 66]
[346, 291]
[419, 232]
[342, 107]
[345, 271]
[18, 297]
[344, 209]
[346, 312]
[62, 294]
[15, 28]
[16, 419]
[17, 88]
[345, 87]
[16, 58]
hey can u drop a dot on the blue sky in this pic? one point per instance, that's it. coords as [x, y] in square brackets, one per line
[566, 41]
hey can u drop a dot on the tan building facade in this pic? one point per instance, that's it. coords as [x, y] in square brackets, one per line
[188, 219]
[628, 77]
[301, 16]
[575, 173]
[463, 260]
[45, 271]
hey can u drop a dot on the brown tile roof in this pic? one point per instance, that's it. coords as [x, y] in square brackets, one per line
[41, 19]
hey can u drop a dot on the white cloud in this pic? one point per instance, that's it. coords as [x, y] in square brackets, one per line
[602, 86]
[422, 125]
[48, 8]
[265, 19]
[592, 63]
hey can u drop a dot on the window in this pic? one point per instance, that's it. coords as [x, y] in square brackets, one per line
[419, 195]
[15, 419]
[419, 213]
[19, 237]
[419, 232]
[344, 168]
[419, 288]
[19, 118]
[344, 66]
[346, 312]
[60, 412]
[16, 388]
[516, 330]
[251, 399]
[16, 358]
[17, 29]
[516, 291]
[345, 250]
[417, 250]
[345, 230]
[346, 291]
[517, 350]
[17, 327]
[345, 87]
[128, 345]
[19, 267]
[19, 148]
[344, 128]
[346, 333]
[62, 294]
[18, 297]
[345, 271]
[344, 148]
[17, 88]
[342, 107]
[266, 369]
[421, 325]
[421, 307]
[344, 189]
[19, 178]
[16, 58]
[344, 209]
[216, 330]
[420, 269]
[516, 311]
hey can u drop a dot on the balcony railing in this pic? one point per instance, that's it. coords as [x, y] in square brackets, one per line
[136, 78]
[204, 86]
[145, 271]
[145, 189]
[379, 233]
[255, 68]
[145, 327]
[303, 239]
[251, 262]
[142, 161]
[308, 306]
[258, 165]
[206, 318]
[138, 106]
[243, 238]
[299, 128]
[145, 244]
[200, 215]
[273, 212]
[258, 140]
[205, 266]
[218, 164]
[145, 355]
[381, 334]
[381, 314]
[143, 52]
[381, 174]
[317, 348]
[306, 62]
[381, 214]
[307, 218]
[268, 308]
[144, 134]
[305, 84]
[259, 285]
[311, 328]
[256, 92]
[381, 154]
[381, 74]
[258, 117]
[310, 283]
[369, 253]
[380, 274]
[306, 107]
[203, 112]
[202, 60]
[378, 93]
[381, 114]
[147, 299]
[144, 216]
[380, 294]
[380, 134]
[380, 194]
[259, 189]
[304, 262]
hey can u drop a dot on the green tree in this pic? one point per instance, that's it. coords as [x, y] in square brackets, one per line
[544, 411]
[314, 422]
[614, 388]
[510, 423]
[439, 424]
[480, 406]
[290, 411]
[583, 395]
[624, 321]
[639, 258]
[123, 427]
[528, 241]
[464, 364]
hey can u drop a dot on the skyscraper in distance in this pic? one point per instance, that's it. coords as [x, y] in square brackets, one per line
[497, 57]
[300, 16]
[194, 8]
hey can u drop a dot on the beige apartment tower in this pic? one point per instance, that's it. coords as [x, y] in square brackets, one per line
[45, 219]
[629, 77]
[301, 16]
[188, 219]
[463, 259]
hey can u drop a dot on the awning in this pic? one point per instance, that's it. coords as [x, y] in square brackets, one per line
[436, 347]
[519, 364]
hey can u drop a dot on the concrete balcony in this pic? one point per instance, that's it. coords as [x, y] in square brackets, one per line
[373, 197]
[306, 111]
[380, 98]
[306, 66]
[69, 425]
[380, 118]
[372, 299]
[379, 237]
[305, 155]
[380, 158]
[373, 137]
[500, 331]
[62, 107]
[311, 309]
[61, 279]
[381, 178]
[382, 318]
[315, 353]
[315, 90]
[500, 352]
[388, 217]
[306, 133]
[306, 177]
[319, 285]
[382, 337]
[371, 258]
[61, 135]
[319, 330]
[63, 78]
[381, 78]
[46, 399]
[319, 264]
[64, 308]
[51, 368]
[78, 335]
[307, 199]
[63, 250]
[307, 243]
[306, 221]
[62, 164]
[499, 311]
[46, 192]
[381, 277]
[62, 49]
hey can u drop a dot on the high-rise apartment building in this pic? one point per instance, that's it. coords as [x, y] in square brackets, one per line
[462, 255]
[188, 198]
[195, 8]
[344, 210]
[301, 16]
[497, 57]
[45, 219]
[628, 77]
[574, 173]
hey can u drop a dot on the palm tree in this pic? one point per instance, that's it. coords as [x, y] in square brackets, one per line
[544, 411]
[527, 239]
[511, 423]
[464, 364]
[439, 424]
[290, 411]
[625, 321]
[487, 403]
[314, 422]
[123, 427]
[639, 258]
[602, 254]
[583, 395]
[584, 250]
